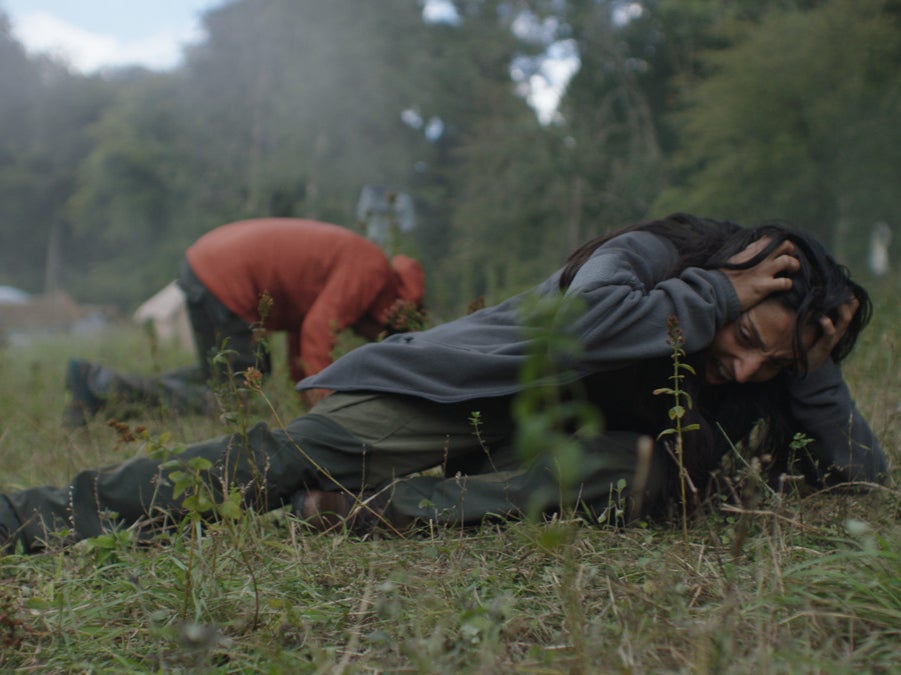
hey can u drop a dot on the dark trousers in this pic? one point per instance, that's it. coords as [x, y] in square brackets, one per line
[217, 328]
[359, 443]
[225, 345]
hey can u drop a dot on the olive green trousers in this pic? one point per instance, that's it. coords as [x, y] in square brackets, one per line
[359, 443]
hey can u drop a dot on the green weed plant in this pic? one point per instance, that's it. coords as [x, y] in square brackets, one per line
[814, 587]
[682, 403]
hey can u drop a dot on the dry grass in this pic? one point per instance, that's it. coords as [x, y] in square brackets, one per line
[802, 584]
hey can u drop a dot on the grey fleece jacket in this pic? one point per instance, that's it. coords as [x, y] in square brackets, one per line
[627, 294]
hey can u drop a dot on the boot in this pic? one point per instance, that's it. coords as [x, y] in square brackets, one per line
[83, 402]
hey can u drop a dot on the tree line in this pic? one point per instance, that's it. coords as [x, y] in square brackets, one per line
[740, 109]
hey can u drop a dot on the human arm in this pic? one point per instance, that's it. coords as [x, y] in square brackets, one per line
[628, 291]
[348, 295]
[309, 397]
[843, 446]
[755, 284]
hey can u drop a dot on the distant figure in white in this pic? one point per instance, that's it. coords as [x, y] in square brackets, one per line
[880, 238]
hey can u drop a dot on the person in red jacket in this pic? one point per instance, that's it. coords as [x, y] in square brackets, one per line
[309, 279]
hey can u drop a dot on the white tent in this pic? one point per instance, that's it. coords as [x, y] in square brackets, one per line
[10, 295]
[167, 313]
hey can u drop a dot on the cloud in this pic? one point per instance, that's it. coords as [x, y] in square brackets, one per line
[548, 85]
[439, 11]
[88, 52]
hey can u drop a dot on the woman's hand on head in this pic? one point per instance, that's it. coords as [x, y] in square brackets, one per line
[755, 284]
[832, 333]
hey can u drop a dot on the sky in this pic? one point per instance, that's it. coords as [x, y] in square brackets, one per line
[91, 35]
[95, 34]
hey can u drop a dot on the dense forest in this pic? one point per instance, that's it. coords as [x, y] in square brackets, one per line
[740, 109]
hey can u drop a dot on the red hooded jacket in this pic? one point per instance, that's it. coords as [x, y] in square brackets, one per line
[322, 278]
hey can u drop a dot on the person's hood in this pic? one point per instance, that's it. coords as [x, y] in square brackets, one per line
[410, 279]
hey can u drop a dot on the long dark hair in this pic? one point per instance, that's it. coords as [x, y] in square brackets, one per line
[819, 287]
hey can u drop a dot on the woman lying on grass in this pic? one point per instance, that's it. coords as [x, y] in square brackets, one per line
[765, 317]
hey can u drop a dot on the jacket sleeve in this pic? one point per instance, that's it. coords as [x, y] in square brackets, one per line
[844, 447]
[346, 297]
[629, 293]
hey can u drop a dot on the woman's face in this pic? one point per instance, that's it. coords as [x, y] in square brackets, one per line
[755, 347]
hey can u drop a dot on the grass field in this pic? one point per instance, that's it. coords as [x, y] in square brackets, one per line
[799, 584]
